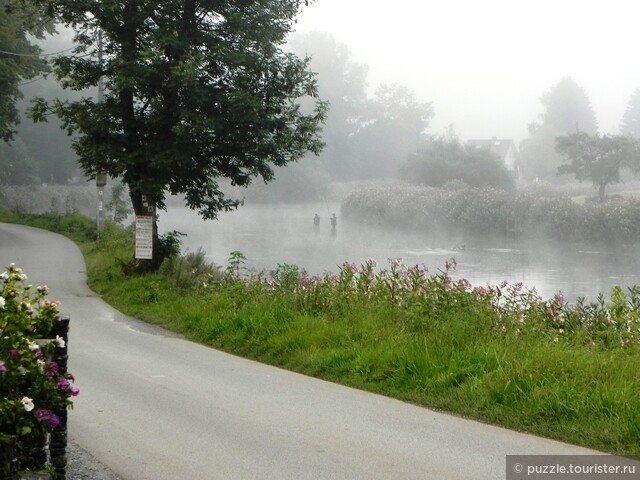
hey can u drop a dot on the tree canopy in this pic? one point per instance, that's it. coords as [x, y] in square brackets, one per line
[597, 158]
[194, 90]
[19, 58]
[444, 161]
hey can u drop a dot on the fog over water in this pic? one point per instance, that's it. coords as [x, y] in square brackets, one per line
[269, 235]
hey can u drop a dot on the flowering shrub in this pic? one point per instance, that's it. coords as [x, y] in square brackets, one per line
[32, 388]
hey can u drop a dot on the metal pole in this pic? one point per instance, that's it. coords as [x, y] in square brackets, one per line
[100, 178]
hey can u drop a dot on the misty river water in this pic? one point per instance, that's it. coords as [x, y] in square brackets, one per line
[269, 235]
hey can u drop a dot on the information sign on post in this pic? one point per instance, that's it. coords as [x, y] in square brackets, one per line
[144, 237]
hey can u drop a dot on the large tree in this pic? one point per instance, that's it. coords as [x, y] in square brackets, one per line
[596, 158]
[566, 109]
[195, 90]
[366, 136]
[19, 58]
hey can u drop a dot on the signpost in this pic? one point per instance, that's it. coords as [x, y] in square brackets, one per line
[144, 237]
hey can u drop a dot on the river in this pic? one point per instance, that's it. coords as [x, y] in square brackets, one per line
[269, 235]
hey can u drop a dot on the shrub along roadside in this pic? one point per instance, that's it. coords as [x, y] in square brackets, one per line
[499, 355]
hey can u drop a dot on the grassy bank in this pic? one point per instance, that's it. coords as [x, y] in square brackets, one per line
[500, 355]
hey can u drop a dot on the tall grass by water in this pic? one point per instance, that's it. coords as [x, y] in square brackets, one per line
[499, 354]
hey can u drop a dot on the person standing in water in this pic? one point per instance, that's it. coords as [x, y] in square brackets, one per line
[316, 223]
[334, 224]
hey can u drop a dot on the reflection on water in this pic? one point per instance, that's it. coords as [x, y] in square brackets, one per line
[275, 234]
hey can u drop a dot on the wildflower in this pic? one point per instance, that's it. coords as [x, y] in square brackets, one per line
[3, 367]
[33, 346]
[27, 403]
[59, 341]
[2, 303]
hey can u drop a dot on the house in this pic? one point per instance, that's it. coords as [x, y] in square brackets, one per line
[504, 148]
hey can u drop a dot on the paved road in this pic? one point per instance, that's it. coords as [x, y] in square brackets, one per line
[155, 406]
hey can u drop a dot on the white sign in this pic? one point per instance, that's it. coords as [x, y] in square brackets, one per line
[144, 237]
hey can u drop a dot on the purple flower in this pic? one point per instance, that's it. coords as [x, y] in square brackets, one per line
[44, 415]
[3, 368]
[13, 354]
[63, 383]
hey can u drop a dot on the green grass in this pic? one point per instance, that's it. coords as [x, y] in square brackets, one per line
[447, 351]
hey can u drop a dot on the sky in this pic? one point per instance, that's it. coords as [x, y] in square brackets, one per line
[485, 64]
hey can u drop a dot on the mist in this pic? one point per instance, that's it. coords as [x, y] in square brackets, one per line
[484, 65]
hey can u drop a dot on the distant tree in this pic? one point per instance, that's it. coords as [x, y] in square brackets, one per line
[49, 146]
[342, 82]
[566, 109]
[366, 136]
[630, 124]
[16, 166]
[194, 91]
[447, 160]
[19, 58]
[393, 128]
[596, 158]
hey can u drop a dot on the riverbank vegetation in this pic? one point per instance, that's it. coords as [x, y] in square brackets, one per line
[530, 212]
[497, 354]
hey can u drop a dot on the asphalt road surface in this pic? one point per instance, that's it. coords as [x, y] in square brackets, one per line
[155, 406]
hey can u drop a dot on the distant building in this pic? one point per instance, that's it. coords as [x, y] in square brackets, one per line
[504, 148]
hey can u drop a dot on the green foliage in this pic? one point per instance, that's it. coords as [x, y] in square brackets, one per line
[190, 271]
[75, 226]
[598, 158]
[236, 268]
[444, 161]
[169, 244]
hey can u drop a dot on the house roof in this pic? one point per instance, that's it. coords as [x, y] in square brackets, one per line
[499, 146]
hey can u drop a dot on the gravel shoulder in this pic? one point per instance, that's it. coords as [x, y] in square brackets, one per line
[81, 465]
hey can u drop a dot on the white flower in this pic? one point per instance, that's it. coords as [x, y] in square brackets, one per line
[59, 341]
[2, 303]
[33, 346]
[22, 371]
[27, 403]
[4, 276]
